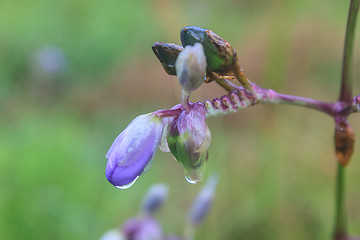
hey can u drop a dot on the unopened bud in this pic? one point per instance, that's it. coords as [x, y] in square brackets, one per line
[203, 201]
[344, 141]
[191, 67]
[167, 54]
[219, 53]
[132, 152]
[189, 140]
[155, 198]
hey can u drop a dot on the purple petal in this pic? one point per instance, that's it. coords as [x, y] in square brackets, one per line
[192, 125]
[133, 150]
[142, 229]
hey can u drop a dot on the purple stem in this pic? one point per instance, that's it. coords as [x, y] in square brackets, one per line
[329, 108]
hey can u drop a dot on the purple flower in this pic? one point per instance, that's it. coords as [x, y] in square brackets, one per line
[181, 131]
[189, 140]
[203, 201]
[132, 151]
[142, 229]
[154, 198]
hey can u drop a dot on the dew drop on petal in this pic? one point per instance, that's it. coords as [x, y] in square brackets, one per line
[127, 185]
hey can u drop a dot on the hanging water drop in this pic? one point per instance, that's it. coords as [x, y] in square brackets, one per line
[192, 181]
[195, 175]
[127, 185]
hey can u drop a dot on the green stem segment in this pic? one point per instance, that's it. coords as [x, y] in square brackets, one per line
[346, 80]
[340, 214]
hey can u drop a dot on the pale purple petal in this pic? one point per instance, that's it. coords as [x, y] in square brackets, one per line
[133, 149]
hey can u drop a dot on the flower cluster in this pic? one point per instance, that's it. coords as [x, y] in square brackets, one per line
[181, 130]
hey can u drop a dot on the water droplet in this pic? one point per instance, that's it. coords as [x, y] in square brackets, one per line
[193, 181]
[127, 185]
[194, 175]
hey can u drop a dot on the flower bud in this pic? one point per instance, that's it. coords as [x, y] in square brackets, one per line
[155, 197]
[132, 151]
[191, 67]
[203, 201]
[219, 53]
[344, 141]
[167, 54]
[189, 140]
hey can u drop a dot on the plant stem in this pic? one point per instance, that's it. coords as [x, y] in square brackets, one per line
[346, 80]
[329, 108]
[270, 96]
[340, 231]
[184, 99]
[340, 215]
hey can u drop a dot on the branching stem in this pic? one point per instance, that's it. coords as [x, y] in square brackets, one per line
[340, 229]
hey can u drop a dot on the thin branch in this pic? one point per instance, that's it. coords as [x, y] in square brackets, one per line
[270, 96]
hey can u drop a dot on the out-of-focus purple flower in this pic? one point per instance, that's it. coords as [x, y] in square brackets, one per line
[203, 201]
[51, 59]
[132, 151]
[155, 198]
[143, 229]
[189, 140]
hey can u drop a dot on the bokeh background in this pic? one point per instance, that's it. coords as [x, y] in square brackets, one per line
[74, 73]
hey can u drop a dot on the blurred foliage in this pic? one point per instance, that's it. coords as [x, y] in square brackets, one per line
[276, 163]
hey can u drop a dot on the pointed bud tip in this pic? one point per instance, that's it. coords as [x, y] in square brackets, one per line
[167, 54]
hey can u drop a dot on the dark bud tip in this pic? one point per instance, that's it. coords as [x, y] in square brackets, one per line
[219, 53]
[344, 141]
[167, 54]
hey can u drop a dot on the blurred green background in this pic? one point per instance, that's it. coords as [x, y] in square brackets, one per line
[74, 73]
